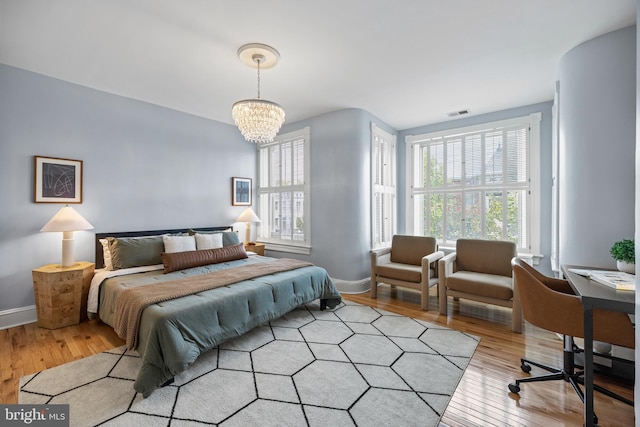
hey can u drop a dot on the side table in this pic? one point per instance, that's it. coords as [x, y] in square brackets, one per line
[255, 247]
[61, 293]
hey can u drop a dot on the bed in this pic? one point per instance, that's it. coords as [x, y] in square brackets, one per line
[172, 333]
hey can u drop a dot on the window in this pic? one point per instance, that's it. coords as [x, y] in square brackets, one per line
[383, 187]
[283, 192]
[478, 182]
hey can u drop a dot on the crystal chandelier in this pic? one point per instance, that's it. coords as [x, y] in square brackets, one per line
[259, 120]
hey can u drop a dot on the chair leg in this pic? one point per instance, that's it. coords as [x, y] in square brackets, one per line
[607, 392]
[547, 377]
[567, 373]
[424, 296]
[442, 298]
[525, 362]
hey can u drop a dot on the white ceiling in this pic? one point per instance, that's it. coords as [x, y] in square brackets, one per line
[409, 62]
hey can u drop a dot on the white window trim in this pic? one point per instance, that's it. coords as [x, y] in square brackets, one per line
[376, 131]
[283, 245]
[533, 121]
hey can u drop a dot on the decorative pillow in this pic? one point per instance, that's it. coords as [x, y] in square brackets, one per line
[129, 252]
[229, 238]
[106, 254]
[208, 241]
[183, 260]
[179, 243]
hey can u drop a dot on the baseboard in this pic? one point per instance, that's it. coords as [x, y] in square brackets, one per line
[18, 316]
[352, 286]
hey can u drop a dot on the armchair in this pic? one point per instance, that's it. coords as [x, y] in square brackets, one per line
[411, 262]
[480, 270]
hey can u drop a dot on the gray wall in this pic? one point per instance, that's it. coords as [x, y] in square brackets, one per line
[597, 146]
[145, 168]
[545, 165]
[341, 193]
[148, 167]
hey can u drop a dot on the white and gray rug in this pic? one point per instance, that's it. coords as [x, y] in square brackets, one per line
[354, 365]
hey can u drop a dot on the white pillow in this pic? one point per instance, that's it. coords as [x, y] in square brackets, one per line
[179, 243]
[208, 241]
[106, 254]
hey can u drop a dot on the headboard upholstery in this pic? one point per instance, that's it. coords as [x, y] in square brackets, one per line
[98, 245]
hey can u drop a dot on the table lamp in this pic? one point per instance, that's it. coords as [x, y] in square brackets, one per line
[67, 220]
[248, 216]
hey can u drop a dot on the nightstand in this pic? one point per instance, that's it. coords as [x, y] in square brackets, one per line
[255, 247]
[61, 293]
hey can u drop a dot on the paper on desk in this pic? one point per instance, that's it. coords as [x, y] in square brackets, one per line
[617, 280]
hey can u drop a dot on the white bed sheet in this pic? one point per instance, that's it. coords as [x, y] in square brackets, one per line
[103, 274]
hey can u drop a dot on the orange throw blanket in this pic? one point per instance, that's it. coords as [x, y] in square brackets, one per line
[131, 302]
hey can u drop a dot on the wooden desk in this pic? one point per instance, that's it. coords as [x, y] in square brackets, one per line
[595, 295]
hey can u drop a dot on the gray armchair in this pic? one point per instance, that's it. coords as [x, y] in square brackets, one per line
[480, 270]
[411, 262]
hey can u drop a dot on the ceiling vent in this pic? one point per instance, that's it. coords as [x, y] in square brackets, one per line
[458, 113]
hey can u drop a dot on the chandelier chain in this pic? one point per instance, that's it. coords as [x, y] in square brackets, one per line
[258, 61]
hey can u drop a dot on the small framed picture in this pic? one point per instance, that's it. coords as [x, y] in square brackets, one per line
[241, 191]
[57, 180]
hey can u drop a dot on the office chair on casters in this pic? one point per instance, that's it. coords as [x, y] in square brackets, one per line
[551, 304]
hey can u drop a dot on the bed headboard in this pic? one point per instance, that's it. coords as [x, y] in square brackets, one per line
[98, 245]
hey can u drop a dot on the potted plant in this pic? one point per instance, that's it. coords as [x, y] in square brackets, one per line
[624, 252]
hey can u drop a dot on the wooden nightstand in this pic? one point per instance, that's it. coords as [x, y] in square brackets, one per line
[255, 247]
[61, 293]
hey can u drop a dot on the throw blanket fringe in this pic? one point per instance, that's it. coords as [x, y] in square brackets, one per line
[131, 302]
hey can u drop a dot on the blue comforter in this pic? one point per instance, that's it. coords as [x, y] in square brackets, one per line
[174, 333]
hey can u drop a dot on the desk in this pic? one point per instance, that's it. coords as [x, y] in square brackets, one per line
[595, 295]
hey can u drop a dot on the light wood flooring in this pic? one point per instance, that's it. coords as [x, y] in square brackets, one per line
[481, 399]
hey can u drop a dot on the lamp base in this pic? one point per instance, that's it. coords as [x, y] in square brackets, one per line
[247, 233]
[62, 267]
[67, 249]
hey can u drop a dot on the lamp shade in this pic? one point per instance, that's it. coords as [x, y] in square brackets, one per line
[248, 215]
[67, 219]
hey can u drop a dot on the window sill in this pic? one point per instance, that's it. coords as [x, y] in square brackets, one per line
[292, 249]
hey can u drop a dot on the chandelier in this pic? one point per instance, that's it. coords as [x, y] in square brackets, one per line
[259, 120]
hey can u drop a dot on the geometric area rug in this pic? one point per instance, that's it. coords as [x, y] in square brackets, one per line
[351, 366]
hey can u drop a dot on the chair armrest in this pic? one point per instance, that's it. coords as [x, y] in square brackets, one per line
[445, 266]
[379, 252]
[427, 260]
[383, 254]
[432, 258]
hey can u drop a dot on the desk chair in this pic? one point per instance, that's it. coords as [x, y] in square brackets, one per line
[551, 304]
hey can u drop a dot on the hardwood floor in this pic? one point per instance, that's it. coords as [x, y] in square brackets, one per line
[482, 397]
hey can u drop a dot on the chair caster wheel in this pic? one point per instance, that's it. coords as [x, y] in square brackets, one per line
[525, 368]
[514, 388]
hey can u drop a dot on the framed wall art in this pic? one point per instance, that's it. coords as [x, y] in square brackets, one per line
[241, 191]
[57, 180]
